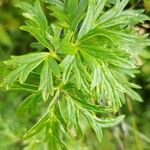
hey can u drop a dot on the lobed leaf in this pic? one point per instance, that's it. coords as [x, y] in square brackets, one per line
[38, 126]
[46, 80]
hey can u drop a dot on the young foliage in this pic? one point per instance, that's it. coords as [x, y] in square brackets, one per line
[90, 56]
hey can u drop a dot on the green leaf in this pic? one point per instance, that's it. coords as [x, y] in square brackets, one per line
[81, 67]
[53, 135]
[59, 114]
[36, 23]
[79, 14]
[96, 127]
[98, 8]
[26, 64]
[81, 101]
[115, 11]
[73, 115]
[67, 61]
[93, 12]
[105, 123]
[72, 7]
[38, 126]
[58, 10]
[66, 74]
[67, 66]
[26, 7]
[12, 77]
[46, 80]
[133, 95]
[40, 15]
[35, 13]
[28, 58]
[96, 77]
[28, 68]
[77, 76]
[88, 21]
[38, 34]
[127, 17]
[54, 67]
[29, 101]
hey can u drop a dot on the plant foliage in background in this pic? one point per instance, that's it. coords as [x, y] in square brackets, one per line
[83, 73]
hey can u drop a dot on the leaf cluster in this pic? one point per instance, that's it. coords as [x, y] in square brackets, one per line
[90, 53]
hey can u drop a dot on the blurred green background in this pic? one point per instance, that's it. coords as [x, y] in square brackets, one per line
[132, 134]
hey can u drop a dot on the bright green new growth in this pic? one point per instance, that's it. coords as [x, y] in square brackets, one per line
[92, 52]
